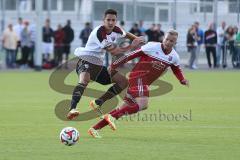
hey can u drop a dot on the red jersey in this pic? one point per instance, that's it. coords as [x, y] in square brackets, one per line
[152, 64]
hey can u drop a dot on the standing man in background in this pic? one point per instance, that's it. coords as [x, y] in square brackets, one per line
[200, 38]
[47, 41]
[9, 41]
[69, 37]
[210, 40]
[221, 33]
[18, 30]
[85, 33]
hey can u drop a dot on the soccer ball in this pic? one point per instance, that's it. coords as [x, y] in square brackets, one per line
[69, 136]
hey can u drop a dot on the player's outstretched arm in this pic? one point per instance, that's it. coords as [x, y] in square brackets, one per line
[126, 58]
[114, 50]
[131, 36]
[178, 73]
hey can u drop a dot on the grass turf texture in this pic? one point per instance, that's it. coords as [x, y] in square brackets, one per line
[29, 128]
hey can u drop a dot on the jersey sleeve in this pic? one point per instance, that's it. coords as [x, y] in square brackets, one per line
[120, 31]
[176, 68]
[177, 71]
[176, 60]
[101, 39]
[126, 58]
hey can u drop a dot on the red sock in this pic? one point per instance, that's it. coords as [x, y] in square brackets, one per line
[103, 122]
[117, 113]
[126, 110]
[100, 124]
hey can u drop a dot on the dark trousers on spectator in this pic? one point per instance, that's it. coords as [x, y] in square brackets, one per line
[31, 54]
[209, 51]
[66, 52]
[58, 55]
[18, 49]
[25, 54]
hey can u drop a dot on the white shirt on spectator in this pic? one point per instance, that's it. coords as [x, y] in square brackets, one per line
[18, 29]
[10, 39]
[220, 35]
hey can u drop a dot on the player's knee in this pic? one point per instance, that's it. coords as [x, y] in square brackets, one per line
[143, 106]
[142, 103]
[84, 81]
[84, 78]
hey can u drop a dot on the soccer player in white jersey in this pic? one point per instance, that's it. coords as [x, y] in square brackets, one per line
[154, 59]
[90, 64]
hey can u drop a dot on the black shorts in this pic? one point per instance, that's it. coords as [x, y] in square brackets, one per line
[97, 73]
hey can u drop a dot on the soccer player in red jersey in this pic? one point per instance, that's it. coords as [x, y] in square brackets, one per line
[154, 59]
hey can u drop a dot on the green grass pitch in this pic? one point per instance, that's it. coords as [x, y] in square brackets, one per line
[30, 130]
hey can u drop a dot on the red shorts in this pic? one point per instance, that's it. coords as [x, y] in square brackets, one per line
[137, 88]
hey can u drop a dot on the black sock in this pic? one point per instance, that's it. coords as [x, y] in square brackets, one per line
[77, 94]
[111, 92]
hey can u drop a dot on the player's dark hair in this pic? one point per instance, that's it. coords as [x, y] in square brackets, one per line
[110, 11]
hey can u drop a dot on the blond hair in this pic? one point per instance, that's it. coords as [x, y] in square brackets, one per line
[172, 32]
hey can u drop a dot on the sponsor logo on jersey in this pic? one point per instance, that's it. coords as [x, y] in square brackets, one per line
[170, 58]
[113, 39]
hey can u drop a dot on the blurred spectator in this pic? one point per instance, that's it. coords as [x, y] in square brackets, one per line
[122, 24]
[85, 33]
[230, 37]
[141, 28]
[235, 28]
[47, 41]
[25, 44]
[32, 29]
[200, 38]
[69, 36]
[150, 33]
[10, 40]
[160, 33]
[192, 45]
[221, 32]
[59, 36]
[154, 33]
[18, 30]
[236, 56]
[210, 41]
[135, 30]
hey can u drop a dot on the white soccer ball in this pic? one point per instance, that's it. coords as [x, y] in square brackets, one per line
[69, 136]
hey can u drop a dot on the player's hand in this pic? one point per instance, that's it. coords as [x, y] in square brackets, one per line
[144, 40]
[137, 42]
[185, 82]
